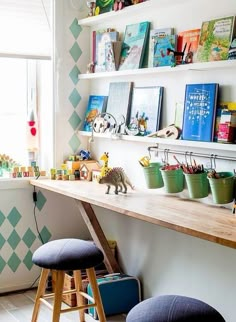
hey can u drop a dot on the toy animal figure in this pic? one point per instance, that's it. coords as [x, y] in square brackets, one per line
[116, 177]
[105, 169]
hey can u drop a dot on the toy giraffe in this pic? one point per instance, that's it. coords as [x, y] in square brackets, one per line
[105, 169]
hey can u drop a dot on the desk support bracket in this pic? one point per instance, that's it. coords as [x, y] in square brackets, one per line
[98, 236]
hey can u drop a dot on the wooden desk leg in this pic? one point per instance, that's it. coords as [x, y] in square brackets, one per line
[98, 236]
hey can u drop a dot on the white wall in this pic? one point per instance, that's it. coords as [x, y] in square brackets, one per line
[166, 261]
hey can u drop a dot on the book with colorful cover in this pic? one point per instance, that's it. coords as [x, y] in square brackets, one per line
[100, 54]
[96, 105]
[134, 45]
[188, 42]
[158, 32]
[200, 111]
[232, 49]
[215, 39]
[163, 48]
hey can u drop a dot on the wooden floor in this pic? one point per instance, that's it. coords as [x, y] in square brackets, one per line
[18, 307]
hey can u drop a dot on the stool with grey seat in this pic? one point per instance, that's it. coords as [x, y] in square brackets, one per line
[68, 255]
[173, 308]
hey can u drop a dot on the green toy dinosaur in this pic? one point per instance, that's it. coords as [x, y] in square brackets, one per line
[116, 177]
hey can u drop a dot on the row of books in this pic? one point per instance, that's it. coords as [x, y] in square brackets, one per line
[127, 110]
[142, 47]
[137, 111]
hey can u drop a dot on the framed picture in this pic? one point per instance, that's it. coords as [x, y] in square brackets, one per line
[145, 111]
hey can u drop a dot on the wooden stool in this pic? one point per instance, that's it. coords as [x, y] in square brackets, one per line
[68, 255]
[173, 308]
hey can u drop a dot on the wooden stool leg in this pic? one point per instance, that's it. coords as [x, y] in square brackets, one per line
[96, 294]
[60, 275]
[40, 293]
[79, 298]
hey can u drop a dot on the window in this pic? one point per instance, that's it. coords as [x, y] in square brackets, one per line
[26, 105]
[22, 95]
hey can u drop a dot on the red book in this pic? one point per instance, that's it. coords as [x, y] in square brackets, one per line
[188, 42]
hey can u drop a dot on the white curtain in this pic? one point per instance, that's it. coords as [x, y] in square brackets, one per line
[25, 28]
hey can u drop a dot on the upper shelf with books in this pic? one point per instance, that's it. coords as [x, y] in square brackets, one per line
[167, 142]
[217, 65]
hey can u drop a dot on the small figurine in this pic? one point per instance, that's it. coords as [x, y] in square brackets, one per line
[105, 169]
[120, 4]
[116, 177]
[84, 155]
[90, 68]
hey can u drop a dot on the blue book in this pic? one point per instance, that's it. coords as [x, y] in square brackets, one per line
[163, 48]
[96, 105]
[200, 111]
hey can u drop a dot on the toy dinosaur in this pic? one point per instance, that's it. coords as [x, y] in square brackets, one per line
[116, 177]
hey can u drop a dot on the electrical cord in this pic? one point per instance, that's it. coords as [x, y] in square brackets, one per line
[34, 212]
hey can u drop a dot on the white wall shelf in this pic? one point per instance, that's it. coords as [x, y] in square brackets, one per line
[217, 65]
[161, 141]
[128, 11]
[109, 16]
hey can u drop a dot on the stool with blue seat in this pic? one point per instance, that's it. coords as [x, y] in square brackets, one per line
[173, 308]
[68, 255]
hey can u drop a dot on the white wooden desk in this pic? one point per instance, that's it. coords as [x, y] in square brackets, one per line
[209, 222]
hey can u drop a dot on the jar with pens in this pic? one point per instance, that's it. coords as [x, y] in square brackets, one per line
[195, 177]
[151, 168]
[172, 175]
[222, 184]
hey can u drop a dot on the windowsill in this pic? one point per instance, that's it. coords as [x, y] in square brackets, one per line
[16, 183]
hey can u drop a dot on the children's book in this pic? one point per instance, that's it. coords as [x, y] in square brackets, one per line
[158, 32]
[187, 42]
[119, 100]
[134, 45]
[163, 48]
[200, 111]
[215, 39]
[101, 39]
[96, 105]
[232, 49]
[145, 110]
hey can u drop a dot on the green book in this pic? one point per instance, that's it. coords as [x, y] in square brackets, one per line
[215, 39]
[134, 45]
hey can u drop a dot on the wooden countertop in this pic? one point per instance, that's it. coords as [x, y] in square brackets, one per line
[209, 222]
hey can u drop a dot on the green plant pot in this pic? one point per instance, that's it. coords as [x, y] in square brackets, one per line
[197, 184]
[153, 176]
[222, 189]
[173, 180]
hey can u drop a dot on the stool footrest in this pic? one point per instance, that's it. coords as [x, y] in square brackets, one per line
[74, 308]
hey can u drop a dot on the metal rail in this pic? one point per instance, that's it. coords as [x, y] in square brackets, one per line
[212, 157]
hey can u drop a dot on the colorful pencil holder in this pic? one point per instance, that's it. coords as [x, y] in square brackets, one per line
[223, 188]
[153, 176]
[197, 184]
[173, 180]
